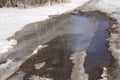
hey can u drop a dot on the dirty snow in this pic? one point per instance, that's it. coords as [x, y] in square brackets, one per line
[78, 71]
[105, 74]
[7, 64]
[39, 65]
[34, 77]
[38, 48]
[8, 68]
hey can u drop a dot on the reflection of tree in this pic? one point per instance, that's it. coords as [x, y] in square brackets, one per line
[27, 3]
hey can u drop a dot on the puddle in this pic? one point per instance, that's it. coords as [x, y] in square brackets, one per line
[97, 54]
[64, 35]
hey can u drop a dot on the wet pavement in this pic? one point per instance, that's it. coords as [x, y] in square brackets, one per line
[64, 35]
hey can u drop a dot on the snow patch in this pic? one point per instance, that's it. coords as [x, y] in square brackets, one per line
[6, 45]
[78, 71]
[38, 78]
[6, 65]
[38, 48]
[104, 75]
[39, 65]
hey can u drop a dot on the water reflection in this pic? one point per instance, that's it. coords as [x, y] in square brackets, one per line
[65, 35]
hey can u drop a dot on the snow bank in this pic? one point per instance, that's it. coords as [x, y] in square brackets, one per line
[13, 19]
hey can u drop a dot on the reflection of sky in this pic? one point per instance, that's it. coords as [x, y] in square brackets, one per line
[97, 53]
[91, 31]
[85, 30]
[82, 24]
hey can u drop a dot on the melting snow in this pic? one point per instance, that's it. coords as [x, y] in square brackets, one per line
[13, 19]
[38, 78]
[104, 75]
[39, 65]
[38, 48]
[6, 65]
